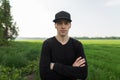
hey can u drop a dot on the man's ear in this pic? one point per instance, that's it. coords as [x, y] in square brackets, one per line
[55, 25]
[70, 25]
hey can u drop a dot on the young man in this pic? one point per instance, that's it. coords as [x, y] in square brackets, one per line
[62, 57]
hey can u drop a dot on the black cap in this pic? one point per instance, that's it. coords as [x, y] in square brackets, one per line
[62, 15]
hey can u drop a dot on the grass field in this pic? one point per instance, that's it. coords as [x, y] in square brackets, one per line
[21, 58]
[103, 59]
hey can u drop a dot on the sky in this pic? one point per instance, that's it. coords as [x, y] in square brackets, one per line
[92, 18]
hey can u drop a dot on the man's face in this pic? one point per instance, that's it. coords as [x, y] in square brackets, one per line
[62, 27]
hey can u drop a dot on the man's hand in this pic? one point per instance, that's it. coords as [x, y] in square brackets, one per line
[51, 66]
[80, 62]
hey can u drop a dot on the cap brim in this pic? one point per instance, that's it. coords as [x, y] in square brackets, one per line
[56, 20]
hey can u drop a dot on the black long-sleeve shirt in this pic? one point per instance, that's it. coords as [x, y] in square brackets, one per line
[63, 56]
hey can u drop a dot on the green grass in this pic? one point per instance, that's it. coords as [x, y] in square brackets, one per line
[102, 55]
[19, 53]
[103, 59]
[19, 59]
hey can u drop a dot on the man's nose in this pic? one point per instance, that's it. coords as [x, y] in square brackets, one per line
[63, 25]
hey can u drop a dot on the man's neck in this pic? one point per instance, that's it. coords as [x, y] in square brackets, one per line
[62, 39]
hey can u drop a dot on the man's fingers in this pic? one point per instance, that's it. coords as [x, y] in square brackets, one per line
[82, 61]
[78, 59]
[82, 65]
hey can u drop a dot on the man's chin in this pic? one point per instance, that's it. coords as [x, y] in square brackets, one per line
[63, 35]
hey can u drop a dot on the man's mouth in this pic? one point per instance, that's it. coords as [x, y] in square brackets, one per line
[63, 31]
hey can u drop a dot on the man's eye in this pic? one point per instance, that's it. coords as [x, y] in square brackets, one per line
[59, 23]
[66, 23]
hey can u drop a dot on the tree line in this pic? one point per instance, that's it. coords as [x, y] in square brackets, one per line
[111, 37]
[8, 29]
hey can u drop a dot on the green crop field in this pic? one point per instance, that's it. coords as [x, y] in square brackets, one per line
[21, 59]
[103, 59]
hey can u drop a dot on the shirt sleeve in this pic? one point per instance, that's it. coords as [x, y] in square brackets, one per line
[44, 64]
[73, 72]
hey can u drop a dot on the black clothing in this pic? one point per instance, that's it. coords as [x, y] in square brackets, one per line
[63, 56]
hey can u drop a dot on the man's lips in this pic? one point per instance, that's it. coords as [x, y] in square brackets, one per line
[63, 31]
